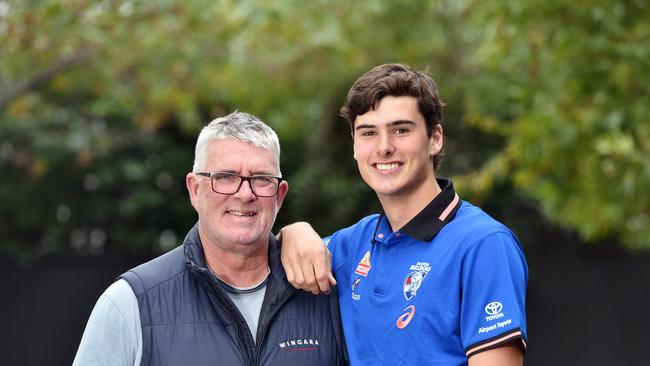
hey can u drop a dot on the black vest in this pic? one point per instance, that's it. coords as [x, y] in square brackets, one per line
[188, 319]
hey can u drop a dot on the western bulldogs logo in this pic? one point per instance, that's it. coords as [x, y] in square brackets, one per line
[412, 283]
[414, 279]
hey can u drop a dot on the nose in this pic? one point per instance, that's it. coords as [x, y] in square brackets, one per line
[245, 192]
[385, 147]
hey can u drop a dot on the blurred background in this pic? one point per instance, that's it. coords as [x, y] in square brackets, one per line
[546, 128]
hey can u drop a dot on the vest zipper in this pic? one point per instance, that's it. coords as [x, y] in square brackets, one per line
[240, 337]
[260, 341]
[238, 328]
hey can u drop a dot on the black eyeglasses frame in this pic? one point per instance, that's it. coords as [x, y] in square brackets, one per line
[242, 179]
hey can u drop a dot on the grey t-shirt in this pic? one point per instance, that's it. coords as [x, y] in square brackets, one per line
[249, 301]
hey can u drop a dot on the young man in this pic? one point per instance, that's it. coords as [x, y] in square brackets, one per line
[221, 298]
[433, 279]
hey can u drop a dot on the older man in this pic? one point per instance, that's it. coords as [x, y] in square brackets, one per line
[221, 298]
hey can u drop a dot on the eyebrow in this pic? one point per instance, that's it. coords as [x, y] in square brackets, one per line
[254, 174]
[399, 122]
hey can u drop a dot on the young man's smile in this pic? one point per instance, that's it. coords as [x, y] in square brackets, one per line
[392, 149]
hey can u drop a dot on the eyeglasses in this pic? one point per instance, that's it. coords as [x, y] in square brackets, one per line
[230, 183]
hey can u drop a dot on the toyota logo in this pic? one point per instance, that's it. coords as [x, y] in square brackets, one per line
[493, 308]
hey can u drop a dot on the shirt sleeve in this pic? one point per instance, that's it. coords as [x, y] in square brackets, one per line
[113, 334]
[494, 281]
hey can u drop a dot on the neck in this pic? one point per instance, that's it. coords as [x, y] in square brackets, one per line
[236, 264]
[400, 209]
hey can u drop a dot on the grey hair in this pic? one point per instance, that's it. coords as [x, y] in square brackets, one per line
[240, 126]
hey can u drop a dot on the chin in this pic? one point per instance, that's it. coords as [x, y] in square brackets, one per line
[244, 240]
[248, 237]
[385, 189]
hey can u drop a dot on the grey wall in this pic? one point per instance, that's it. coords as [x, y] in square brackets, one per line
[586, 305]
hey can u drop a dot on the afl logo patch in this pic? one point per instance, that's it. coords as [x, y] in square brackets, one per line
[364, 265]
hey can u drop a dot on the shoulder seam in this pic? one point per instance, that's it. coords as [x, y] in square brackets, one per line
[114, 305]
[482, 239]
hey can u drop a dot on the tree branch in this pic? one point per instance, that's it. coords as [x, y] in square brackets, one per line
[44, 77]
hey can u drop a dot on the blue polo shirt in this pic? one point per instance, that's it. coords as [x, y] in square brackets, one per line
[450, 284]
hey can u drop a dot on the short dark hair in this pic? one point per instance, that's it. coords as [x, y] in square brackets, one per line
[395, 80]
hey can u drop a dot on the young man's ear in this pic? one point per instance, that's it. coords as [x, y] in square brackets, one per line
[354, 151]
[436, 140]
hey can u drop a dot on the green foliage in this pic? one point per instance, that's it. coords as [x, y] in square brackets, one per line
[101, 102]
[573, 108]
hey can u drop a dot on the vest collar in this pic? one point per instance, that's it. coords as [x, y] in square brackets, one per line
[195, 257]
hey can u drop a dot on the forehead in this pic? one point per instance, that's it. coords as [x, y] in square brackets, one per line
[390, 109]
[241, 157]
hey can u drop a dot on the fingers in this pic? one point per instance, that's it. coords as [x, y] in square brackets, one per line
[297, 275]
[332, 280]
[321, 269]
[305, 258]
[310, 272]
[330, 275]
[310, 283]
[293, 271]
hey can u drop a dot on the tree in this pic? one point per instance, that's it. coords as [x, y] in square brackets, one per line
[101, 102]
[566, 86]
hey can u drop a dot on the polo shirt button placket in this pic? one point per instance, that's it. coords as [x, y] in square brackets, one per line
[382, 262]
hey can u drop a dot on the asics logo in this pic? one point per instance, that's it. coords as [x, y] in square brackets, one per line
[406, 318]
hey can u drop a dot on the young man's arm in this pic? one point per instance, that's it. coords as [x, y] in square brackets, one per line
[507, 355]
[493, 305]
[305, 258]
